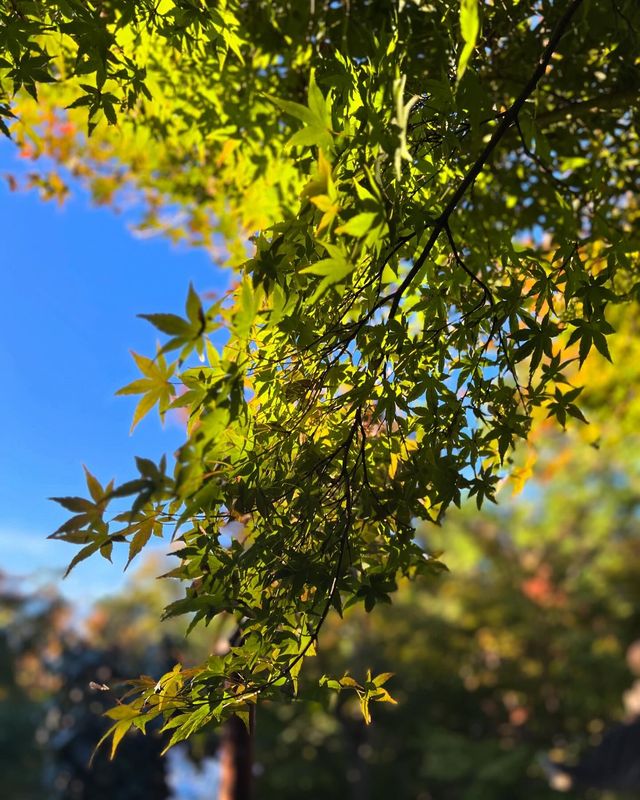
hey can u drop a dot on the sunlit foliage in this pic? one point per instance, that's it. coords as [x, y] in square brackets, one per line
[430, 208]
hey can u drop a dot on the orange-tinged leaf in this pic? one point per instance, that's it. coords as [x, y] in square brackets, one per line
[227, 148]
[521, 475]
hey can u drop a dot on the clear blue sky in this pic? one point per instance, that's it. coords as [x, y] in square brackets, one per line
[72, 280]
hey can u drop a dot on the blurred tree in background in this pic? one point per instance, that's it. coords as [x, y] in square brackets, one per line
[56, 661]
[25, 624]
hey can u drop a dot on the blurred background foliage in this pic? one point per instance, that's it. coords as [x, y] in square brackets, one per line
[518, 651]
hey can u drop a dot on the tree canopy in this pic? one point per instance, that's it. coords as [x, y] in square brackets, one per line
[430, 208]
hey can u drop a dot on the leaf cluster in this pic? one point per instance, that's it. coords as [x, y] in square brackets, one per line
[432, 247]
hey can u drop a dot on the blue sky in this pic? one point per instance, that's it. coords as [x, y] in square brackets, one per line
[72, 280]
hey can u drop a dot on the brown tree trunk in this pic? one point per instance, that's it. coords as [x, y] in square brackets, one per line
[236, 759]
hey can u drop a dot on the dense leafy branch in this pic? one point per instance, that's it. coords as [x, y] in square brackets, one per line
[419, 260]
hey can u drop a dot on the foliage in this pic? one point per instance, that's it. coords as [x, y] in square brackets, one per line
[439, 198]
[518, 652]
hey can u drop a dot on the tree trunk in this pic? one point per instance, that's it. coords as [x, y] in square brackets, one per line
[236, 759]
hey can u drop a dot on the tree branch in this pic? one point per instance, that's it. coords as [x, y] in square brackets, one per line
[476, 168]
